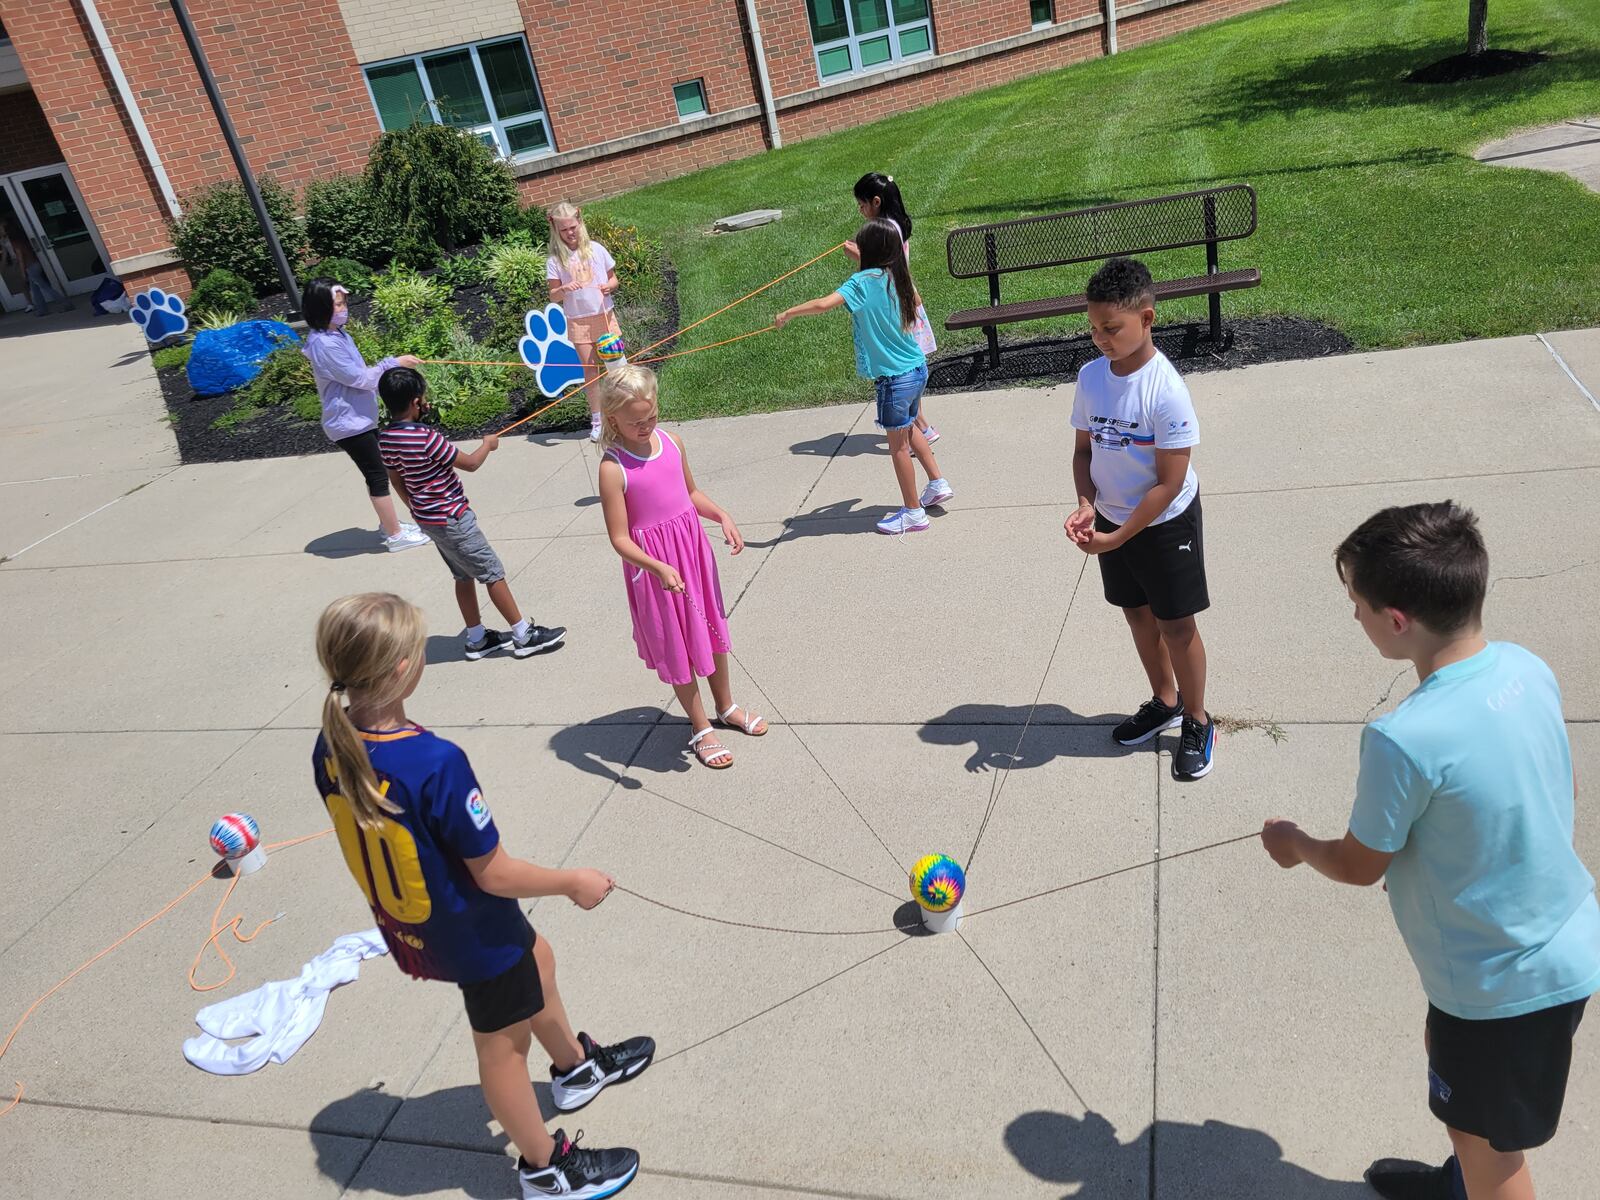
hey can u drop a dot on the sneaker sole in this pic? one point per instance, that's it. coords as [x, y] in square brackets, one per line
[624, 1077]
[406, 546]
[543, 648]
[1145, 737]
[908, 529]
[1200, 774]
[940, 502]
[476, 655]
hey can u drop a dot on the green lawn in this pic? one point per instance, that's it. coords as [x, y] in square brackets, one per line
[1374, 218]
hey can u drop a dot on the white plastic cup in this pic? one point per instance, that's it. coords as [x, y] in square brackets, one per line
[943, 922]
[247, 864]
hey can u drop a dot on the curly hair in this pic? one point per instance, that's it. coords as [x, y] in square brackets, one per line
[1124, 282]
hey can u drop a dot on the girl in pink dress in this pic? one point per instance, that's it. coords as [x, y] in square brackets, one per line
[653, 508]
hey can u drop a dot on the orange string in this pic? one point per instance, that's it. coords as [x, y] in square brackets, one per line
[712, 346]
[139, 928]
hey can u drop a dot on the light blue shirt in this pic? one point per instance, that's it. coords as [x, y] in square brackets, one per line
[347, 386]
[883, 346]
[1469, 784]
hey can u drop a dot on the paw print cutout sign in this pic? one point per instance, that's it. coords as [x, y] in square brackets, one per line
[548, 352]
[159, 314]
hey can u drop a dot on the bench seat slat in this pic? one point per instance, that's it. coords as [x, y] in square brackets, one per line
[1060, 306]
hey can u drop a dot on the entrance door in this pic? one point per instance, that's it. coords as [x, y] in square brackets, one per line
[13, 283]
[53, 217]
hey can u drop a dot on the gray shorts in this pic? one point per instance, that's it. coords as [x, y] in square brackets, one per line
[465, 550]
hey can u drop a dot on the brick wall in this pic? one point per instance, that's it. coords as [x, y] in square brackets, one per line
[27, 141]
[381, 29]
[630, 169]
[1180, 18]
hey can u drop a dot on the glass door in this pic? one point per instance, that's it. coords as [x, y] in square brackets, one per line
[67, 244]
[13, 282]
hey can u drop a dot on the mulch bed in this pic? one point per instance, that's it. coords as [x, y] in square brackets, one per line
[1459, 68]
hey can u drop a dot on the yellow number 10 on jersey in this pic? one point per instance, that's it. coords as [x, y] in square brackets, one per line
[384, 861]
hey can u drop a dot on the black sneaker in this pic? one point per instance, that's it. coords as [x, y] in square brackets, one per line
[539, 641]
[601, 1067]
[1404, 1179]
[1152, 717]
[578, 1173]
[1196, 749]
[491, 641]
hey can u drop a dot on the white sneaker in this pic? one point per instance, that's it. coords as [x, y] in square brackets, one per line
[904, 520]
[406, 539]
[937, 492]
[594, 427]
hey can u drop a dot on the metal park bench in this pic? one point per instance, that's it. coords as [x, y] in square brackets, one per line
[1203, 218]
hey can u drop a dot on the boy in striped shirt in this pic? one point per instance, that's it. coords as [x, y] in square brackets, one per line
[422, 466]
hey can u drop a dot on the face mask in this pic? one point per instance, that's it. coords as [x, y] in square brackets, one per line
[339, 318]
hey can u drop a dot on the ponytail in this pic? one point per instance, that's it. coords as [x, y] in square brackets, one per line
[875, 185]
[362, 642]
[882, 248]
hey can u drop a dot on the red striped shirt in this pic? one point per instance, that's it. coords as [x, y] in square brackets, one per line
[424, 458]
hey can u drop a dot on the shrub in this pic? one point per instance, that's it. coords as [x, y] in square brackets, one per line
[285, 381]
[343, 222]
[402, 298]
[516, 271]
[440, 186]
[533, 221]
[215, 318]
[352, 274]
[640, 261]
[461, 271]
[467, 397]
[171, 356]
[218, 229]
[222, 290]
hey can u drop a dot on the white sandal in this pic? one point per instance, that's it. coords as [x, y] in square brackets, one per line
[718, 758]
[748, 725]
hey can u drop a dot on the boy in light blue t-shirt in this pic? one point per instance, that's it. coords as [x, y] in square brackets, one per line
[1464, 806]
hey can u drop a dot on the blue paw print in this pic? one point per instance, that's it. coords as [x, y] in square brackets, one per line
[548, 352]
[160, 315]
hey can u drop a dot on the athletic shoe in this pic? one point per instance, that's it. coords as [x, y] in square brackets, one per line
[578, 1173]
[1152, 717]
[931, 434]
[1196, 746]
[594, 427]
[538, 641]
[937, 492]
[405, 527]
[1403, 1179]
[491, 641]
[601, 1067]
[406, 539]
[903, 520]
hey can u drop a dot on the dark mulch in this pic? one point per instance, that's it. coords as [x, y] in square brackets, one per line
[1459, 68]
[1044, 362]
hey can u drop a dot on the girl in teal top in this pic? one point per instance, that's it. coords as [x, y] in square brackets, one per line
[881, 301]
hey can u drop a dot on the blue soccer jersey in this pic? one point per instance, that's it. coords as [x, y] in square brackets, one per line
[436, 920]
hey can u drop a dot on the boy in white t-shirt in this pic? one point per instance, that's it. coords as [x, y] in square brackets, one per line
[1139, 508]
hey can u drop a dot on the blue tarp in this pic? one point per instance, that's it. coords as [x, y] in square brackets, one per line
[224, 359]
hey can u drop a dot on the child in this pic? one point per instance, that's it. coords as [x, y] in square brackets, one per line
[16, 249]
[1464, 805]
[583, 277]
[446, 900]
[653, 508]
[422, 465]
[1139, 508]
[878, 195]
[882, 313]
[347, 387]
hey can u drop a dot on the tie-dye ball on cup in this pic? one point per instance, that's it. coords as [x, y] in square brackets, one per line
[235, 835]
[611, 352]
[937, 882]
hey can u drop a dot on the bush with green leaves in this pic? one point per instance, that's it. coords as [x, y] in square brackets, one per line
[219, 229]
[461, 271]
[222, 290]
[347, 272]
[285, 381]
[438, 186]
[516, 272]
[214, 318]
[640, 259]
[533, 221]
[403, 298]
[343, 222]
[466, 398]
[171, 356]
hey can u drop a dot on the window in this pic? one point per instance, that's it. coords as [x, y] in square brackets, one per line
[850, 36]
[690, 98]
[488, 89]
[1044, 12]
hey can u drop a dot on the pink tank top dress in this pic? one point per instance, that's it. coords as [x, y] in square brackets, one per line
[676, 634]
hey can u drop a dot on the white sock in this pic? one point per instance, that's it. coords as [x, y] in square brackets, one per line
[520, 629]
[594, 420]
[917, 513]
[475, 634]
[939, 480]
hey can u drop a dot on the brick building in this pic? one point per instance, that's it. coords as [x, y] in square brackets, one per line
[104, 126]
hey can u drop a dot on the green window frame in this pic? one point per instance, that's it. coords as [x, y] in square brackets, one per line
[486, 88]
[852, 37]
[690, 99]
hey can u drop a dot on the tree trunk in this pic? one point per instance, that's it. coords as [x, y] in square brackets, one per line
[1477, 26]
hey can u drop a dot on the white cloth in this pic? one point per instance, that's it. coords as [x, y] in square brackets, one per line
[1130, 417]
[588, 300]
[277, 1017]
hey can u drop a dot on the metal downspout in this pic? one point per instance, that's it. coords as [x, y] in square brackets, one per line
[131, 107]
[768, 108]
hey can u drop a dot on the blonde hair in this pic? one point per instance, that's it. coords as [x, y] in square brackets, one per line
[619, 389]
[568, 212]
[361, 642]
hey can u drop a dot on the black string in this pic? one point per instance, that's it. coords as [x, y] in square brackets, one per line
[769, 928]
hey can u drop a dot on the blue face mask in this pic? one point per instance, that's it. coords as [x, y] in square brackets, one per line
[339, 317]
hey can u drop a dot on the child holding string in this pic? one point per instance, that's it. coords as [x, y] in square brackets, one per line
[583, 277]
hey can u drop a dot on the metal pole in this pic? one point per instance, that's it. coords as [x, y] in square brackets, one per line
[1111, 26]
[291, 289]
[768, 108]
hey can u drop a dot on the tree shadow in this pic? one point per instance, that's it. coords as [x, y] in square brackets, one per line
[622, 741]
[1213, 1160]
[1056, 359]
[852, 445]
[346, 543]
[1055, 731]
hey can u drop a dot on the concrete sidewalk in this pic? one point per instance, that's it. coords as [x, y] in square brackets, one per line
[1209, 1027]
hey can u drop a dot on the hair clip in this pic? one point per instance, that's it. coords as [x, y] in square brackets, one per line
[336, 686]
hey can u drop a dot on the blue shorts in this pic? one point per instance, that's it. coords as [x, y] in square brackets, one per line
[900, 398]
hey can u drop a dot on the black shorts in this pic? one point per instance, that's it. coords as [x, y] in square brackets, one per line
[510, 997]
[1162, 565]
[1502, 1080]
[363, 448]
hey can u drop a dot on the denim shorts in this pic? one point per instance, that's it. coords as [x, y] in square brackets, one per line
[900, 398]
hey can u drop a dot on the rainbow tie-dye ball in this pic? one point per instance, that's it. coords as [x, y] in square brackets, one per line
[610, 350]
[937, 882]
[235, 835]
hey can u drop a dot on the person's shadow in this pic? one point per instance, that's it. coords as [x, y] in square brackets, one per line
[1213, 1161]
[850, 445]
[594, 748]
[995, 729]
[840, 517]
[346, 543]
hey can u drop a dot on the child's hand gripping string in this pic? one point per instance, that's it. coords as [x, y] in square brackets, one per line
[731, 535]
[589, 887]
[669, 577]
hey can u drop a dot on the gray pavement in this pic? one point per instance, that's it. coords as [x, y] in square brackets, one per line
[1570, 147]
[1209, 1027]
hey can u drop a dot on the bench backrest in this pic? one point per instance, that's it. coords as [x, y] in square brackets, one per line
[1132, 227]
